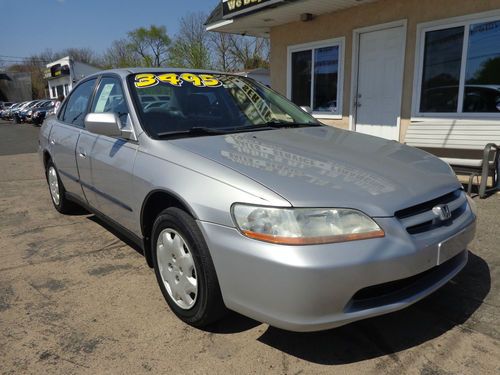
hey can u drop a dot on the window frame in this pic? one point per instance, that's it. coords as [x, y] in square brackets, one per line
[312, 46]
[443, 24]
[98, 85]
[64, 104]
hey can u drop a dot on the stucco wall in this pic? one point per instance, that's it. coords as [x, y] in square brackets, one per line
[342, 24]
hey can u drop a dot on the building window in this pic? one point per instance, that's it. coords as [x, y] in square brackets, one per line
[460, 69]
[315, 77]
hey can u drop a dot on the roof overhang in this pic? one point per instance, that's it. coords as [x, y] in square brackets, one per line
[257, 20]
[233, 8]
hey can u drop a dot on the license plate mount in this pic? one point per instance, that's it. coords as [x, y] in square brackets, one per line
[454, 245]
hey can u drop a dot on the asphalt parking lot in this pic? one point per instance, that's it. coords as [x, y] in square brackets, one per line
[75, 298]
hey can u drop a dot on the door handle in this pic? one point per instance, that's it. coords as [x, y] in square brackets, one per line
[82, 154]
[52, 141]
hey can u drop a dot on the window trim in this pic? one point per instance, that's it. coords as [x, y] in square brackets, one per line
[96, 89]
[61, 113]
[442, 24]
[340, 42]
[128, 100]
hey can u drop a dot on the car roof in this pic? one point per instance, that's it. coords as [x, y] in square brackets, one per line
[127, 71]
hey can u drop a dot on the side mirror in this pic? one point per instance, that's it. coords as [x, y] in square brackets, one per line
[103, 124]
[307, 109]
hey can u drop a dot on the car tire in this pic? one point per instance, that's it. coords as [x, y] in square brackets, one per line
[57, 191]
[192, 292]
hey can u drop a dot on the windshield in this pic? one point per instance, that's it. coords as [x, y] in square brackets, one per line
[199, 104]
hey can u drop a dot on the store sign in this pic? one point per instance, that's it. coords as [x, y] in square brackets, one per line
[58, 70]
[237, 7]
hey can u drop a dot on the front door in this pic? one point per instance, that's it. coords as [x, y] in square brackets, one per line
[110, 160]
[377, 101]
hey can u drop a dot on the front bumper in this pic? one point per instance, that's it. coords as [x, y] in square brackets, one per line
[317, 287]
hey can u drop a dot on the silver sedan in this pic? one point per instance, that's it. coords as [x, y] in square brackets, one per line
[242, 201]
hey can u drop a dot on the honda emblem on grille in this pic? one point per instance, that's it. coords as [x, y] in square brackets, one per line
[442, 212]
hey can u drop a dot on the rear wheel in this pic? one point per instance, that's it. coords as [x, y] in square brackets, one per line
[184, 269]
[57, 192]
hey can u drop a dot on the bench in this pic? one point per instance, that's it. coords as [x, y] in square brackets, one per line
[470, 149]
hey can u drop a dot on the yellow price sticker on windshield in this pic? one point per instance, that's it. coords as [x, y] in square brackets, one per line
[145, 80]
[210, 81]
[192, 78]
[171, 78]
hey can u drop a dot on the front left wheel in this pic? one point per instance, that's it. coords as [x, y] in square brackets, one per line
[184, 269]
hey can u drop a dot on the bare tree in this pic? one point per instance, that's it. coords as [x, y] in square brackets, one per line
[191, 45]
[119, 55]
[84, 55]
[250, 52]
[36, 67]
[194, 47]
[223, 59]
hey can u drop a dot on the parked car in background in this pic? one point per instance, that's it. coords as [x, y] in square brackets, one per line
[9, 113]
[477, 98]
[241, 200]
[25, 113]
[15, 112]
[4, 105]
[29, 114]
[40, 113]
[5, 110]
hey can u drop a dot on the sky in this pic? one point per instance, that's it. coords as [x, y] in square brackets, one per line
[31, 26]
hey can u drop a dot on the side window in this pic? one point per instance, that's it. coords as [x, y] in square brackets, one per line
[76, 107]
[110, 98]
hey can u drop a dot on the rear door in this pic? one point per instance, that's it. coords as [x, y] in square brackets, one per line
[111, 158]
[65, 133]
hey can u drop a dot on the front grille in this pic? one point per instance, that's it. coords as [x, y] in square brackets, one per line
[394, 291]
[420, 218]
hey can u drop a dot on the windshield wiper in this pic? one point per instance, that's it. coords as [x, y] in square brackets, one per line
[195, 131]
[270, 126]
[283, 124]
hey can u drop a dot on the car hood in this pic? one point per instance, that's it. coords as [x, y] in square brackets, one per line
[329, 167]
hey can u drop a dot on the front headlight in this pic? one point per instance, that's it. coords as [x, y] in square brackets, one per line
[304, 226]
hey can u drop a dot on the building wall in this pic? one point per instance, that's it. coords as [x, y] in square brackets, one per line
[81, 70]
[342, 24]
[61, 81]
[78, 71]
[15, 87]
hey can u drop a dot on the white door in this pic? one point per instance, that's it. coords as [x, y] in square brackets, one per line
[377, 102]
